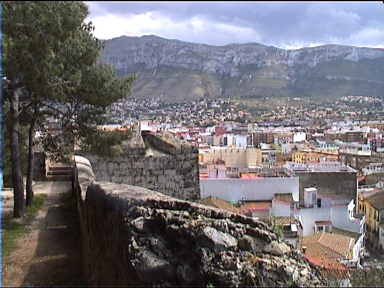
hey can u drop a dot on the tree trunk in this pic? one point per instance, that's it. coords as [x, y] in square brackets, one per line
[17, 176]
[29, 190]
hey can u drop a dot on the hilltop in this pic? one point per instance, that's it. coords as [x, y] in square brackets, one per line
[176, 71]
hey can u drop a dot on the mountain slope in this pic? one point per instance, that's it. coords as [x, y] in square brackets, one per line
[177, 71]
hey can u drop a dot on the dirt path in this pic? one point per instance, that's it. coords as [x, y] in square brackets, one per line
[49, 254]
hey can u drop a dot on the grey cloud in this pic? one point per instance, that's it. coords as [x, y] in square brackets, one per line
[276, 22]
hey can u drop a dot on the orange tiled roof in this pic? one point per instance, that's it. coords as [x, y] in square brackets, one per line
[253, 206]
[330, 268]
[340, 243]
[324, 257]
[249, 176]
[328, 246]
[219, 203]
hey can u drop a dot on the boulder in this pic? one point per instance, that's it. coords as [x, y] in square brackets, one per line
[217, 240]
[277, 248]
[151, 268]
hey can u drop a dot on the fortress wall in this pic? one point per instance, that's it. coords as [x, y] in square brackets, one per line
[173, 170]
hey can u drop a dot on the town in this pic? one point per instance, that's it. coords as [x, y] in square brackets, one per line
[265, 111]
[317, 179]
[192, 144]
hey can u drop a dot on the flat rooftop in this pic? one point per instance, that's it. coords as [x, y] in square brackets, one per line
[318, 167]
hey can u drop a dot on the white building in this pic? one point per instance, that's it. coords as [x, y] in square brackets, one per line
[299, 137]
[333, 212]
[255, 189]
[241, 141]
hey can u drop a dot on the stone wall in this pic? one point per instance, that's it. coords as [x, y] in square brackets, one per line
[334, 183]
[161, 164]
[133, 236]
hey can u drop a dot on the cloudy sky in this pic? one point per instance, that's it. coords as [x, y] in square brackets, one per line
[282, 24]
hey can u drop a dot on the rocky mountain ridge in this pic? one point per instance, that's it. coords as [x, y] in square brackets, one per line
[175, 70]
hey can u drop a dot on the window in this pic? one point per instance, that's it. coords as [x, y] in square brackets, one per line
[320, 228]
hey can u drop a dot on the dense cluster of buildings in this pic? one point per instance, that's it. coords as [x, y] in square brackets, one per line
[318, 183]
[301, 180]
[265, 111]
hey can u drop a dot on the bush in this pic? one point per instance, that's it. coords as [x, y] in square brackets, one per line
[106, 143]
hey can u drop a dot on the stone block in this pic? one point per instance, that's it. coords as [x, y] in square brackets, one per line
[277, 248]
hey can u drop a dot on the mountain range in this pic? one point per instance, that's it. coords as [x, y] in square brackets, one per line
[177, 71]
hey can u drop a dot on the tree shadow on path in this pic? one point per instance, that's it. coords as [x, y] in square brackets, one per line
[57, 259]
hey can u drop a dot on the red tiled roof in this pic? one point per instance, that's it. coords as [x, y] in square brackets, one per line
[341, 244]
[219, 131]
[255, 206]
[324, 249]
[219, 203]
[249, 176]
[330, 268]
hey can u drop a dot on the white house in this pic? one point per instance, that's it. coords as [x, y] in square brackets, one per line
[299, 137]
[332, 213]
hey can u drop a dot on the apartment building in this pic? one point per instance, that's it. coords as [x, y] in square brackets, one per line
[262, 137]
[305, 157]
[371, 204]
[232, 157]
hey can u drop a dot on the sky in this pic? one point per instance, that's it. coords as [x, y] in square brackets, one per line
[288, 25]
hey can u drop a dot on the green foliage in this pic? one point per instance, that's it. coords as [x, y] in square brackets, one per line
[51, 51]
[35, 34]
[105, 143]
[13, 230]
[278, 229]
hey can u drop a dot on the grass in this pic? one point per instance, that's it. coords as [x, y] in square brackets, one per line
[13, 228]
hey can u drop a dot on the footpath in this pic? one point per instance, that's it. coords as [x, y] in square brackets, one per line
[49, 254]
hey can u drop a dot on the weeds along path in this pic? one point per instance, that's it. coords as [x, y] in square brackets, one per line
[49, 253]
